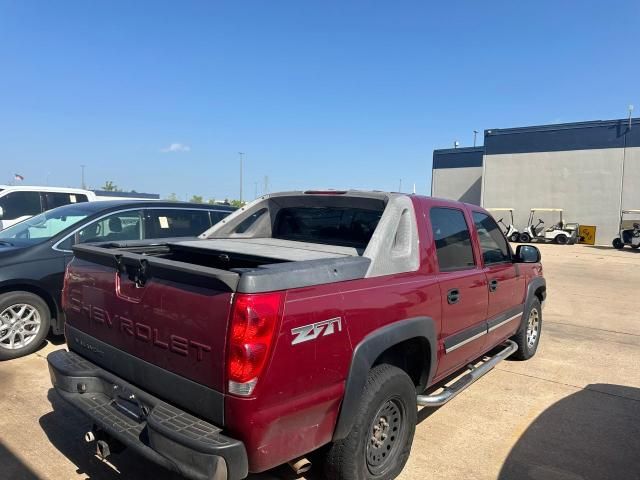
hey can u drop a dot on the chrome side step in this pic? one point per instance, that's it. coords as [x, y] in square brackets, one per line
[437, 399]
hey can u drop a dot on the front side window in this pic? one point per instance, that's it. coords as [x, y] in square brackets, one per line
[452, 239]
[20, 204]
[176, 223]
[493, 244]
[117, 227]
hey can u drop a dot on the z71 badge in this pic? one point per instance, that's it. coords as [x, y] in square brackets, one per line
[315, 330]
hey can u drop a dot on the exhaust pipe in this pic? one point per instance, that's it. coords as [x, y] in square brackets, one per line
[300, 466]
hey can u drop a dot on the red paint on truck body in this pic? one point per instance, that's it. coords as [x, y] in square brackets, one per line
[296, 402]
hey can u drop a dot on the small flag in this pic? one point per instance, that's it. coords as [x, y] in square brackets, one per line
[18, 177]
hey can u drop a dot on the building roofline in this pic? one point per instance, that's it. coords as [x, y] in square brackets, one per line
[562, 126]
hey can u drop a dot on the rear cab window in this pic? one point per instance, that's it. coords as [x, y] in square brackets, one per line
[349, 227]
[452, 239]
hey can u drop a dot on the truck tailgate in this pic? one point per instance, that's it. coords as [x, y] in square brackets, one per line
[169, 314]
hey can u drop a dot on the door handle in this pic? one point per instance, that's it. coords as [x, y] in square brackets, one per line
[493, 285]
[453, 296]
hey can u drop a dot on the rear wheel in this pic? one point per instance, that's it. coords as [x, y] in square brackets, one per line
[525, 237]
[617, 243]
[379, 443]
[514, 237]
[528, 335]
[562, 239]
[24, 324]
[635, 247]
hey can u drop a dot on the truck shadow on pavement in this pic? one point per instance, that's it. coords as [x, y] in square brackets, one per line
[65, 429]
[592, 434]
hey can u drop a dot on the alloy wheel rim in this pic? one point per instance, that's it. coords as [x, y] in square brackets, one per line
[19, 325]
[385, 434]
[533, 327]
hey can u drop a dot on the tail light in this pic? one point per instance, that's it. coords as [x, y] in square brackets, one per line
[254, 320]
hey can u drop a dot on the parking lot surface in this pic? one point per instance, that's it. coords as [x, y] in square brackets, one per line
[572, 412]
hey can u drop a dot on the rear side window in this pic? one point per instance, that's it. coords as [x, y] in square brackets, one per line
[20, 204]
[58, 199]
[452, 238]
[351, 227]
[176, 223]
[495, 248]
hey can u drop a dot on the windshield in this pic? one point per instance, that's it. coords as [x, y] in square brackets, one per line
[42, 227]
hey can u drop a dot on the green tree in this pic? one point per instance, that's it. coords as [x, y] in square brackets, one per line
[196, 199]
[172, 197]
[109, 186]
[237, 203]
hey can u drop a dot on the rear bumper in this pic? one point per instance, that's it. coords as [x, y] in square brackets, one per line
[154, 429]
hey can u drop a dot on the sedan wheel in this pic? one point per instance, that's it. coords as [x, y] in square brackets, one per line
[24, 323]
[19, 326]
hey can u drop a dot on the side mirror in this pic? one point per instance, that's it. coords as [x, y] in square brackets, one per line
[527, 254]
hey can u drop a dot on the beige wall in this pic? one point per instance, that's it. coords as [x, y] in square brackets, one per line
[585, 183]
[631, 187]
[463, 184]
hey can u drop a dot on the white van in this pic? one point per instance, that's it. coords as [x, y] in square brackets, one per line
[20, 203]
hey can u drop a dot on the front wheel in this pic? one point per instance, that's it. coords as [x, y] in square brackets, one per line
[562, 239]
[525, 237]
[635, 247]
[514, 237]
[528, 335]
[617, 243]
[378, 446]
[24, 324]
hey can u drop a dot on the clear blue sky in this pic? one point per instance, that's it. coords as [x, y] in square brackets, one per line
[331, 93]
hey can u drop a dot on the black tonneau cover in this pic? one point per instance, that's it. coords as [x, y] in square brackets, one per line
[138, 261]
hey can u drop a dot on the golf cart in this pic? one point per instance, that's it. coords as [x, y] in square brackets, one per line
[560, 233]
[629, 230]
[509, 231]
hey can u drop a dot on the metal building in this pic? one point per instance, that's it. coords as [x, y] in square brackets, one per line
[589, 169]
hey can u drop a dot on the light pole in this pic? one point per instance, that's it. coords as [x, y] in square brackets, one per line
[241, 158]
[82, 167]
[475, 133]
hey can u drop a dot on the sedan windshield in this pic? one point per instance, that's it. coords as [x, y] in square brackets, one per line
[42, 227]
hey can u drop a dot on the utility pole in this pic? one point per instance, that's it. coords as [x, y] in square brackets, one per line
[83, 185]
[241, 158]
[266, 184]
[630, 112]
[400, 186]
[475, 133]
[255, 190]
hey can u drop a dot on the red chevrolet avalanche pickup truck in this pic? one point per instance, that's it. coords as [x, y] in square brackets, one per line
[306, 326]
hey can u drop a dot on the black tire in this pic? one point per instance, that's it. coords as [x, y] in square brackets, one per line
[617, 243]
[525, 237]
[21, 326]
[562, 239]
[515, 237]
[526, 347]
[635, 247]
[389, 398]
